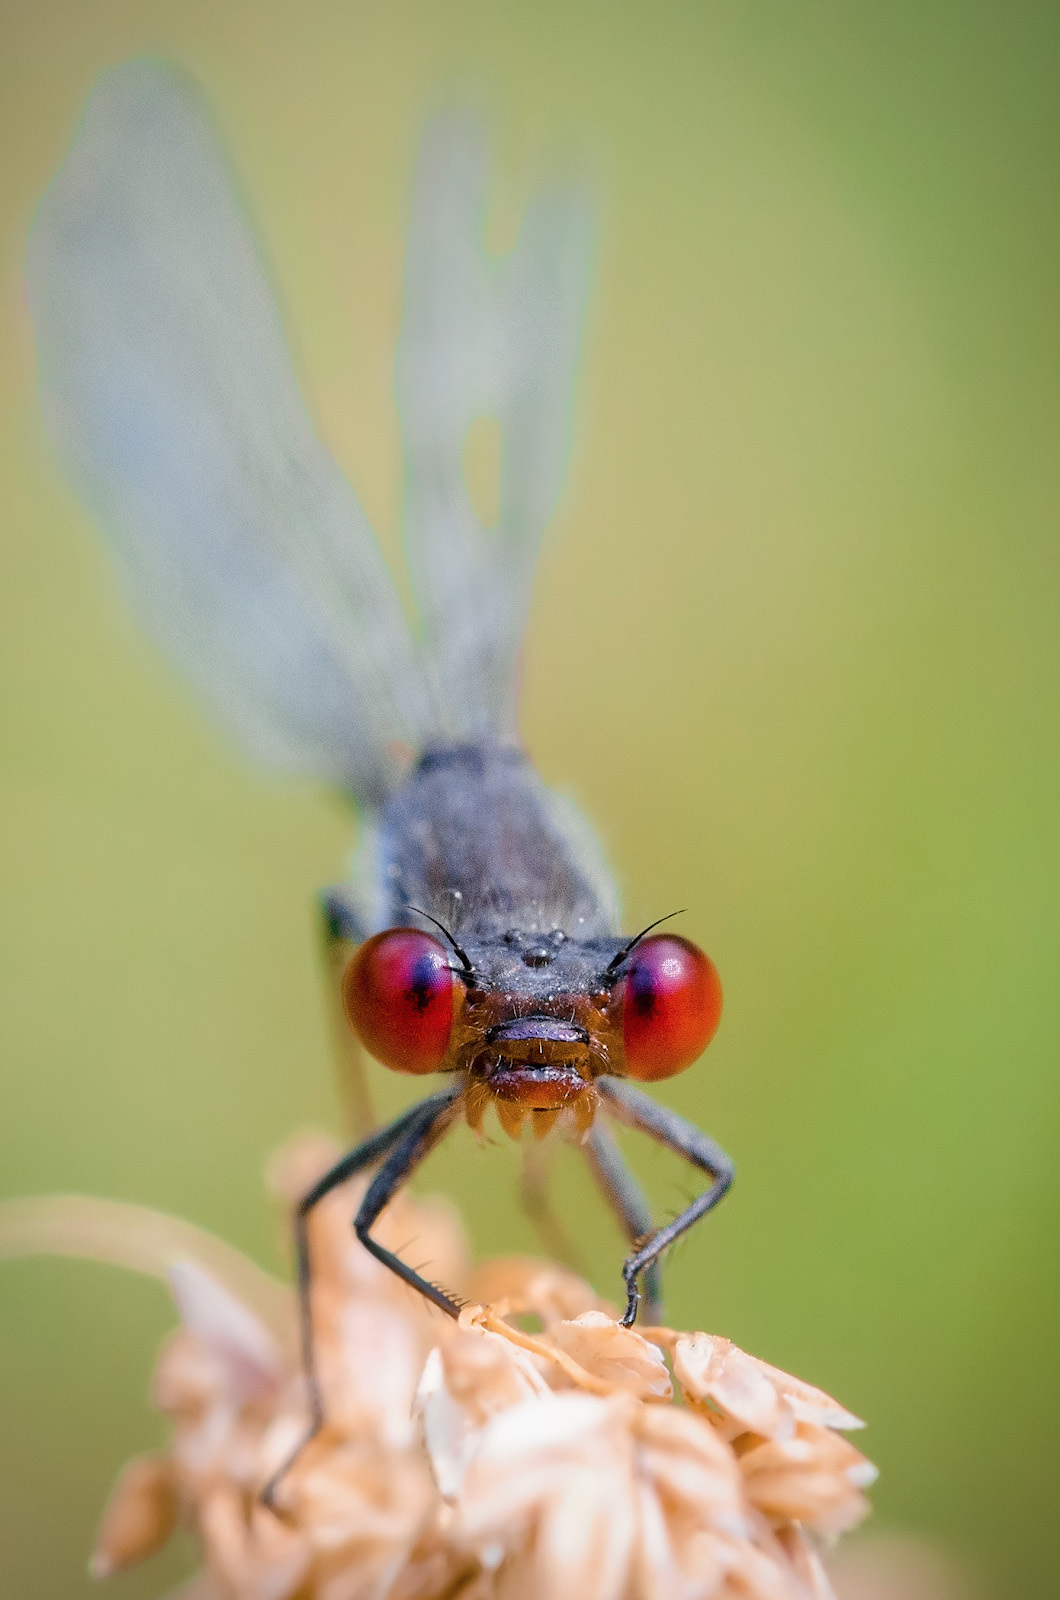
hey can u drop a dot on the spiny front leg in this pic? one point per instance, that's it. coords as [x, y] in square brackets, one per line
[417, 1139]
[388, 1142]
[638, 1110]
[626, 1198]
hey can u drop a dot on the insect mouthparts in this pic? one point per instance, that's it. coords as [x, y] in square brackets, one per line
[522, 1028]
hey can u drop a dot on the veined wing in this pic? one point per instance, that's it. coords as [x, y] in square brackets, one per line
[483, 336]
[170, 393]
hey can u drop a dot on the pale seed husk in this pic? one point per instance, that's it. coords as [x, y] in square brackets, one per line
[472, 1460]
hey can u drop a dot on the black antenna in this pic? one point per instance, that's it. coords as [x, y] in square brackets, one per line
[616, 961]
[461, 955]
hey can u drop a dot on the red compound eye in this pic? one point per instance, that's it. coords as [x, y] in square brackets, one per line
[398, 995]
[671, 1006]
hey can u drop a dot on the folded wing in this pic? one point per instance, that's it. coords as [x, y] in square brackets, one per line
[170, 393]
[483, 336]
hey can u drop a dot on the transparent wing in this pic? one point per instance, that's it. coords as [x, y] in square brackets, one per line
[171, 396]
[495, 337]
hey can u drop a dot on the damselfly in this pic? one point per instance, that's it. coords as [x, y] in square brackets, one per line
[489, 947]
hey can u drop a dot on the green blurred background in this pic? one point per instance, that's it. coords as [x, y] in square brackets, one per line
[794, 649]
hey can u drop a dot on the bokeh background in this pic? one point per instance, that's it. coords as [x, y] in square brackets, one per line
[794, 649]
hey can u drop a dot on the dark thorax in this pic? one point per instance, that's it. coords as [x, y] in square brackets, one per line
[474, 838]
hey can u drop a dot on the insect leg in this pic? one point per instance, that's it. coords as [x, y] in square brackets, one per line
[621, 1189]
[341, 927]
[533, 1195]
[421, 1132]
[366, 1154]
[638, 1110]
